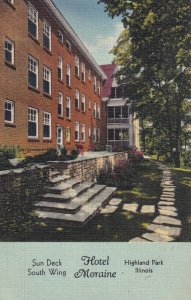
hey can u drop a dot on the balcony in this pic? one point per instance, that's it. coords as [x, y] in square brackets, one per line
[117, 121]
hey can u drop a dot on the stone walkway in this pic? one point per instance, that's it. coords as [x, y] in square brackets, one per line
[166, 227]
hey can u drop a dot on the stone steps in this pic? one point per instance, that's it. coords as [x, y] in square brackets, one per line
[84, 214]
[68, 194]
[54, 174]
[60, 188]
[74, 205]
[59, 179]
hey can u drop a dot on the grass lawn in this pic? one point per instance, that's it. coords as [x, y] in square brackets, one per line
[119, 226]
[182, 178]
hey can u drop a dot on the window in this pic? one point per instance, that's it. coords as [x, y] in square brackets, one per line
[89, 104]
[116, 92]
[95, 110]
[99, 87]
[60, 68]
[33, 21]
[110, 135]
[47, 36]
[83, 72]
[98, 135]
[90, 131]
[68, 108]
[111, 112]
[68, 75]
[77, 99]
[94, 135]
[47, 81]
[89, 75]
[83, 133]
[98, 112]
[59, 135]
[32, 72]
[60, 105]
[83, 103]
[77, 66]
[9, 111]
[47, 125]
[32, 122]
[9, 51]
[95, 84]
[68, 45]
[125, 112]
[77, 129]
[60, 36]
[68, 135]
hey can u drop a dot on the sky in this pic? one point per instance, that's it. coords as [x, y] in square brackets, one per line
[94, 27]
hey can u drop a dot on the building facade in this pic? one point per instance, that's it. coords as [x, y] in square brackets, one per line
[50, 86]
[122, 129]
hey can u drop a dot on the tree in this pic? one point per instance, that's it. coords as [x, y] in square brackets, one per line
[154, 52]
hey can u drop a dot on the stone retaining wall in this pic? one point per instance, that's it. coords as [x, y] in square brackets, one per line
[88, 168]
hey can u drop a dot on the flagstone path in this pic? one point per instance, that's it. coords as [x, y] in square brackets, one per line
[166, 226]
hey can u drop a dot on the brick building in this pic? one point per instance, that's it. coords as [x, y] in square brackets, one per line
[50, 86]
[121, 127]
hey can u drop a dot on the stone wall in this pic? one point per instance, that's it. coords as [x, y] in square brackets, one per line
[88, 168]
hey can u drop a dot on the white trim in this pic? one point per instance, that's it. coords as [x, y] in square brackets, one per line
[30, 117]
[83, 133]
[12, 110]
[77, 129]
[49, 123]
[12, 51]
[60, 18]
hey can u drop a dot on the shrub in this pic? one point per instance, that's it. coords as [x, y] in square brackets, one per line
[9, 152]
[187, 158]
[74, 153]
[136, 156]
[121, 176]
[63, 153]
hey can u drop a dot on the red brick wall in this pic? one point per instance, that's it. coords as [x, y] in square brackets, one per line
[14, 81]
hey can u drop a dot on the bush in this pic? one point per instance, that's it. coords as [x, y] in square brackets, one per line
[74, 153]
[121, 176]
[9, 152]
[186, 156]
[136, 156]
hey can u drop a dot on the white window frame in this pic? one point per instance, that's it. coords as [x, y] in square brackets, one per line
[47, 32]
[77, 65]
[61, 103]
[98, 138]
[12, 110]
[90, 104]
[95, 110]
[98, 112]
[68, 45]
[95, 84]
[94, 134]
[60, 66]
[68, 135]
[47, 76]
[68, 106]
[33, 67]
[68, 73]
[83, 133]
[61, 138]
[33, 118]
[12, 51]
[83, 103]
[83, 72]
[60, 36]
[90, 75]
[77, 129]
[47, 120]
[77, 97]
[32, 17]
[99, 87]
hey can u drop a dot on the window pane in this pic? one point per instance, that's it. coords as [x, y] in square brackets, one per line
[117, 134]
[32, 28]
[118, 112]
[32, 129]
[110, 112]
[125, 112]
[32, 79]
[46, 87]
[8, 116]
[110, 134]
[46, 133]
[46, 41]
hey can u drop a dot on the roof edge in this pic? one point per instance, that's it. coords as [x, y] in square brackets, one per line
[60, 18]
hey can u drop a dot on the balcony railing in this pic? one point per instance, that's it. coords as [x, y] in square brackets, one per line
[117, 120]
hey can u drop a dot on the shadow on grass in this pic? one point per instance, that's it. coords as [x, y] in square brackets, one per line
[182, 178]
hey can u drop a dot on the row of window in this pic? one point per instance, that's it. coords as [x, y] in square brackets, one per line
[33, 125]
[118, 134]
[33, 30]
